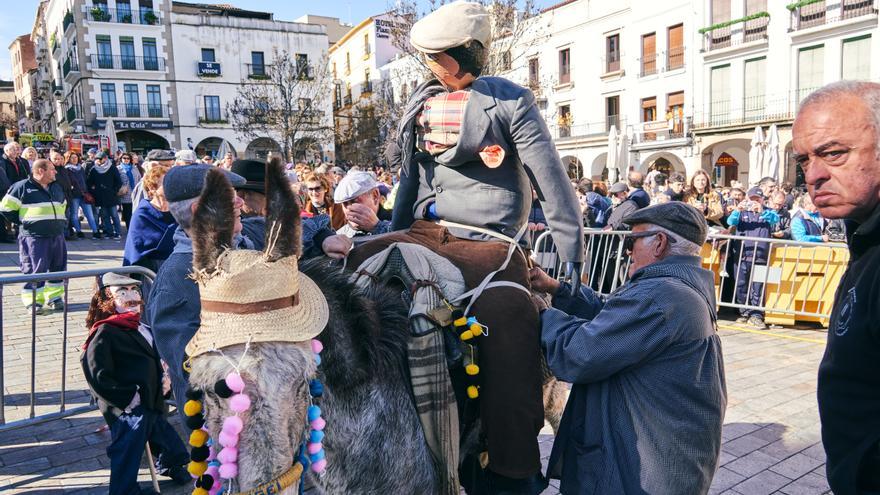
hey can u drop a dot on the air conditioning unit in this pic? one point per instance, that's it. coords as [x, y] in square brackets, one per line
[58, 94]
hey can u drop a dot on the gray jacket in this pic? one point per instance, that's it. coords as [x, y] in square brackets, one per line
[466, 191]
[648, 395]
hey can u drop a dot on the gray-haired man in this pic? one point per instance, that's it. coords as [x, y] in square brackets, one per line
[648, 395]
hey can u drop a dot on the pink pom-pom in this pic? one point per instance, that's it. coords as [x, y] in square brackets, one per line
[227, 439]
[214, 471]
[314, 448]
[233, 425]
[227, 455]
[234, 382]
[318, 424]
[239, 403]
[212, 455]
[228, 471]
[317, 346]
[319, 466]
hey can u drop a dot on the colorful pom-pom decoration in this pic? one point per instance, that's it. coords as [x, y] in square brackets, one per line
[318, 424]
[195, 422]
[199, 454]
[466, 335]
[316, 437]
[316, 388]
[192, 407]
[194, 394]
[472, 369]
[227, 439]
[317, 456]
[198, 438]
[228, 471]
[473, 392]
[240, 403]
[197, 468]
[200, 491]
[317, 346]
[233, 425]
[206, 481]
[319, 466]
[228, 455]
[317, 360]
[314, 412]
[234, 382]
[460, 322]
[222, 390]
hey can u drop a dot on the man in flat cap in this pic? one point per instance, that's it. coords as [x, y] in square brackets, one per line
[358, 193]
[648, 395]
[471, 149]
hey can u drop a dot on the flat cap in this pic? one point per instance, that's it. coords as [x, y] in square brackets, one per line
[115, 280]
[453, 24]
[337, 171]
[618, 187]
[188, 156]
[160, 155]
[182, 183]
[353, 185]
[755, 192]
[675, 216]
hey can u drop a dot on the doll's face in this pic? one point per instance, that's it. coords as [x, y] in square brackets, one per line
[447, 71]
[126, 298]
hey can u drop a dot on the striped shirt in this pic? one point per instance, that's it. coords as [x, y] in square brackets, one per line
[439, 124]
[39, 210]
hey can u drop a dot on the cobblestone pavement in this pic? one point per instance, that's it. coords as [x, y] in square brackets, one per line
[771, 432]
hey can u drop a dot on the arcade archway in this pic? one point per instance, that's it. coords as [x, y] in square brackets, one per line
[141, 142]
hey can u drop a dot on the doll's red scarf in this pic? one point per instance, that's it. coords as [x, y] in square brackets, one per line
[124, 321]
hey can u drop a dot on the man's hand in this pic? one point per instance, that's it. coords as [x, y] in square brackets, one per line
[361, 217]
[336, 246]
[166, 379]
[539, 302]
[541, 282]
[826, 238]
[757, 207]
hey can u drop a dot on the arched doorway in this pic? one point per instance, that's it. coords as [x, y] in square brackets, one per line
[573, 167]
[141, 142]
[307, 150]
[661, 165]
[728, 162]
[599, 170]
[211, 146]
[664, 162]
[261, 147]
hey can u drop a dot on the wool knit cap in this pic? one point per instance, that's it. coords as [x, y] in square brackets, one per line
[183, 183]
[453, 24]
[678, 217]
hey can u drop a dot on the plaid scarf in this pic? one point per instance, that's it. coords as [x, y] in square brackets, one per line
[440, 121]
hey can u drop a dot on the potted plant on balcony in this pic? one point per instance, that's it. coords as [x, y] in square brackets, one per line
[68, 19]
[99, 14]
[150, 17]
[53, 42]
[126, 18]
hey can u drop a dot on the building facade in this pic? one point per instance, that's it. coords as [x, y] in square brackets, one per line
[24, 61]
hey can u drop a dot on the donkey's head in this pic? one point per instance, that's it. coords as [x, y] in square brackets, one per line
[258, 315]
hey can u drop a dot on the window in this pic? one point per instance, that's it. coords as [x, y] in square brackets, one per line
[565, 66]
[132, 104]
[126, 53]
[675, 47]
[105, 52]
[368, 84]
[208, 55]
[334, 71]
[720, 11]
[258, 66]
[347, 94]
[147, 14]
[649, 54]
[675, 112]
[856, 58]
[753, 92]
[347, 63]
[755, 6]
[123, 11]
[337, 96]
[302, 65]
[612, 112]
[305, 104]
[534, 73]
[649, 109]
[612, 53]
[506, 60]
[108, 100]
[719, 94]
[212, 109]
[154, 101]
[564, 121]
[151, 56]
[810, 69]
[366, 45]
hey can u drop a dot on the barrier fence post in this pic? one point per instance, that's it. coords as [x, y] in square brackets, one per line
[2, 366]
[64, 347]
[33, 349]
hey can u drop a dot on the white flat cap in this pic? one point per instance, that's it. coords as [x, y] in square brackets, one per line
[453, 24]
[187, 156]
[353, 185]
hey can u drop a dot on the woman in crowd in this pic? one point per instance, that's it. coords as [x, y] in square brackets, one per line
[104, 183]
[130, 177]
[30, 154]
[150, 237]
[807, 225]
[80, 198]
[321, 200]
[701, 196]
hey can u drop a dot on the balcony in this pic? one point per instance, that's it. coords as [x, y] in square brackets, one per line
[312, 117]
[346, 100]
[258, 71]
[70, 65]
[367, 88]
[812, 13]
[736, 32]
[595, 130]
[144, 17]
[212, 115]
[648, 65]
[750, 111]
[124, 62]
[113, 110]
[675, 58]
[72, 115]
[661, 132]
[68, 21]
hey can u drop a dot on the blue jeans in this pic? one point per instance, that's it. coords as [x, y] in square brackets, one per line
[110, 220]
[73, 215]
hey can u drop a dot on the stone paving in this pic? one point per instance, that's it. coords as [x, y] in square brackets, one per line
[771, 432]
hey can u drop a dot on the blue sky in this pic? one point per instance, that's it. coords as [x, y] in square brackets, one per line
[20, 19]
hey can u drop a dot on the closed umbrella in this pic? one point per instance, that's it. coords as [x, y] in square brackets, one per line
[771, 157]
[612, 155]
[623, 156]
[110, 132]
[756, 156]
[224, 148]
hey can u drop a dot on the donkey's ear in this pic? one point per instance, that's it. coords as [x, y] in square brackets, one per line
[282, 214]
[212, 229]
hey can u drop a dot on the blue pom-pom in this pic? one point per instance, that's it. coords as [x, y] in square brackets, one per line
[314, 412]
[317, 457]
[214, 463]
[316, 436]
[316, 388]
[210, 442]
[471, 320]
[318, 359]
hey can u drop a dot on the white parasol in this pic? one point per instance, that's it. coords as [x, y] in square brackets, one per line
[756, 156]
[771, 155]
[612, 155]
[110, 132]
[623, 156]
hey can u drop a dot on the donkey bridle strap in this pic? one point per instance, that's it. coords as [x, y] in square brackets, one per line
[277, 485]
[250, 308]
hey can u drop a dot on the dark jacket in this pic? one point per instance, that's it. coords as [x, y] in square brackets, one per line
[648, 389]
[119, 362]
[621, 211]
[63, 178]
[849, 382]
[751, 224]
[784, 224]
[16, 170]
[641, 197]
[150, 237]
[40, 211]
[104, 186]
[77, 176]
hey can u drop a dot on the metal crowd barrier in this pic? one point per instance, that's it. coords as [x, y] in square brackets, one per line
[787, 280]
[32, 419]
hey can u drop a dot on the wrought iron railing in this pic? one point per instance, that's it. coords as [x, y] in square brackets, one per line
[126, 62]
[146, 17]
[115, 110]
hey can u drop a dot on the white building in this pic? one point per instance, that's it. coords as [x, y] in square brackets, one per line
[216, 49]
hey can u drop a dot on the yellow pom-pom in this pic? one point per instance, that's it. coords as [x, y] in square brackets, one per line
[472, 369]
[472, 392]
[460, 322]
[192, 407]
[200, 491]
[197, 468]
[466, 335]
[476, 329]
[198, 438]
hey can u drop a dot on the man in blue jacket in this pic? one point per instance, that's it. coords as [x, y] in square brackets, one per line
[38, 205]
[648, 392]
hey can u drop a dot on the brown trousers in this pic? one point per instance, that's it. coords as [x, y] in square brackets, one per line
[511, 408]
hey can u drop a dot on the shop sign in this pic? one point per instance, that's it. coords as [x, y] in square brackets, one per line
[725, 160]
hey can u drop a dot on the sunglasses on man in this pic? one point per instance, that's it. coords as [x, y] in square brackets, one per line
[629, 241]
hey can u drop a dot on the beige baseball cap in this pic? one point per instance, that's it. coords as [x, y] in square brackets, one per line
[453, 24]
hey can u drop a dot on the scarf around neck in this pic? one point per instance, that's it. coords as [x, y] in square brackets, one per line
[102, 169]
[122, 321]
[128, 173]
